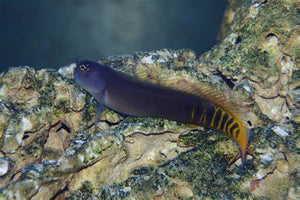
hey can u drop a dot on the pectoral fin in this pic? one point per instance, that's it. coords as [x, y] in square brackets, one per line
[100, 100]
[99, 111]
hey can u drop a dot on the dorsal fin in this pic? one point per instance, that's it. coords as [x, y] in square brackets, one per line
[222, 99]
[219, 98]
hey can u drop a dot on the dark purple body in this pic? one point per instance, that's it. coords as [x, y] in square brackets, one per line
[136, 98]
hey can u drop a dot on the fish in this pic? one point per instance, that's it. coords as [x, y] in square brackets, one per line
[181, 101]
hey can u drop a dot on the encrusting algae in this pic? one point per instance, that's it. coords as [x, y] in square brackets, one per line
[49, 148]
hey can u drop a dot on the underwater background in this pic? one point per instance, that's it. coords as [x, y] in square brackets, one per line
[50, 33]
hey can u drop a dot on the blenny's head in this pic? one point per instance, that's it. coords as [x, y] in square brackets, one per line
[90, 75]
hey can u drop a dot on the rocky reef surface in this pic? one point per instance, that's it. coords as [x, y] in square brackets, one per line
[50, 148]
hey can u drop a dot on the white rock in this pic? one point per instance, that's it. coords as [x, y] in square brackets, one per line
[254, 9]
[280, 131]
[127, 189]
[147, 60]
[271, 41]
[2, 93]
[161, 60]
[260, 174]
[287, 65]
[26, 124]
[79, 142]
[247, 88]
[3, 166]
[68, 70]
[81, 157]
[267, 158]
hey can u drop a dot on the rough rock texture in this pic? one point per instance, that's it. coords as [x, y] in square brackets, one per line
[49, 147]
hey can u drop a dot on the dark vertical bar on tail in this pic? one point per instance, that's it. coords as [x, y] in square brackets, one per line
[224, 120]
[217, 118]
[210, 112]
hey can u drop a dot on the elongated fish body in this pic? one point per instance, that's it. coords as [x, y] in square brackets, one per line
[133, 97]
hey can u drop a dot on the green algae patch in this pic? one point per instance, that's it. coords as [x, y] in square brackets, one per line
[86, 191]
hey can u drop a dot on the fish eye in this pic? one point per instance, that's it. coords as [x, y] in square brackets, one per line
[83, 68]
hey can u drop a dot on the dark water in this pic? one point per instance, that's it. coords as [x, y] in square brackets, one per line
[50, 33]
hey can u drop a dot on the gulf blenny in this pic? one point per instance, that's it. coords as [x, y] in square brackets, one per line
[179, 101]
